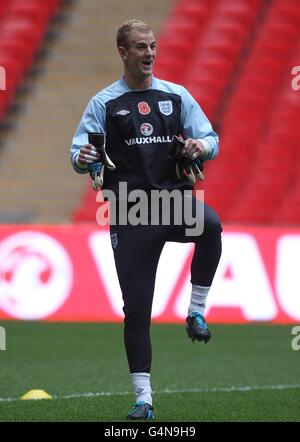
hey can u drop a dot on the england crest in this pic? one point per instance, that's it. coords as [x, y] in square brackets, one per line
[114, 240]
[166, 107]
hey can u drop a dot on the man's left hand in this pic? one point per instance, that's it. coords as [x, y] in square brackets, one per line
[194, 148]
[188, 165]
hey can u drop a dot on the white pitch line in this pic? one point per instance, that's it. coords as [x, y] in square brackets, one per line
[167, 391]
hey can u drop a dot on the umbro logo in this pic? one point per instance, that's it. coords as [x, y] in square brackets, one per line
[123, 112]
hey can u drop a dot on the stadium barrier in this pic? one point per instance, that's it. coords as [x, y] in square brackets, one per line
[67, 273]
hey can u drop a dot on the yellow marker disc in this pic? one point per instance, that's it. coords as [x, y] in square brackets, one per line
[36, 394]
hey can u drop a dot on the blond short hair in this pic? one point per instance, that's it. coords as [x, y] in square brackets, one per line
[126, 29]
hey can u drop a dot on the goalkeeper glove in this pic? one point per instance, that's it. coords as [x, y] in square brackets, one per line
[96, 169]
[186, 167]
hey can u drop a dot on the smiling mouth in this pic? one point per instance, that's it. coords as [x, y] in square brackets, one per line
[147, 63]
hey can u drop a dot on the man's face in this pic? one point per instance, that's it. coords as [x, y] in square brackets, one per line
[140, 54]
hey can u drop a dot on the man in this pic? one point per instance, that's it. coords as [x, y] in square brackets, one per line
[139, 115]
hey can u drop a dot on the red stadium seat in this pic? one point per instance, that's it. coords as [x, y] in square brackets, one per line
[31, 14]
[22, 27]
[271, 49]
[216, 66]
[192, 11]
[14, 69]
[169, 67]
[51, 6]
[228, 30]
[221, 47]
[19, 49]
[240, 12]
[31, 32]
[180, 28]
[183, 47]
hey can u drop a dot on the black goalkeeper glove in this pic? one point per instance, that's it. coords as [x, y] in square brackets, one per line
[96, 169]
[186, 168]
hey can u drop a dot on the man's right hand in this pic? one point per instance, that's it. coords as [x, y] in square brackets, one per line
[95, 159]
[88, 155]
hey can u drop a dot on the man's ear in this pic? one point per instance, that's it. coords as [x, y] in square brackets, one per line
[122, 52]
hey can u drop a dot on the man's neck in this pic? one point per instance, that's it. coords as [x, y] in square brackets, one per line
[136, 83]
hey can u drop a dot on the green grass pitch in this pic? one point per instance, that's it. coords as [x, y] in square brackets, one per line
[245, 373]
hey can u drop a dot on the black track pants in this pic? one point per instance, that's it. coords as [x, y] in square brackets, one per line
[137, 250]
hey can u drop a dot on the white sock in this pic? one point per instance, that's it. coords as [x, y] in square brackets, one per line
[198, 299]
[142, 388]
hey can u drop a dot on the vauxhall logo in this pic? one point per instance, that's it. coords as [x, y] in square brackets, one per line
[148, 140]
